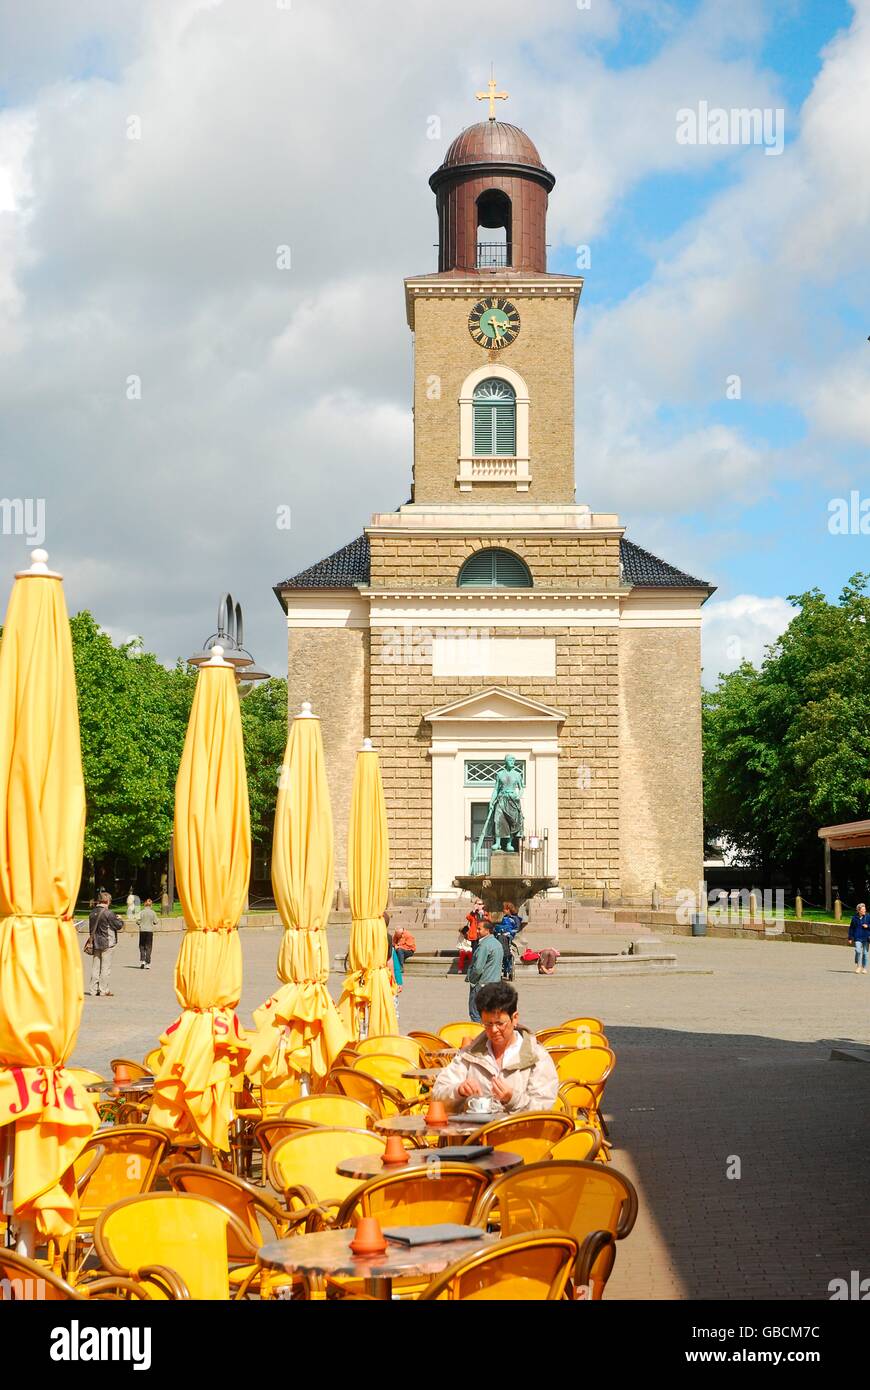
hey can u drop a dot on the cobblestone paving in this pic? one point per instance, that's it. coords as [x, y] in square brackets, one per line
[711, 1067]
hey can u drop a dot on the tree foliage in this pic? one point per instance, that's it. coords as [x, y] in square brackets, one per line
[787, 746]
[133, 715]
[264, 727]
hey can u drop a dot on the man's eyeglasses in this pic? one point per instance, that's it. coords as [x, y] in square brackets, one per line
[499, 1026]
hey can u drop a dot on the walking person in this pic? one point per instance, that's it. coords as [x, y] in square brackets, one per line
[147, 923]
[485, 967]
[103, 928]
[859, 937]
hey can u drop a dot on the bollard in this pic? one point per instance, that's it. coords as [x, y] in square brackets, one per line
[798, 907]
[838, 909]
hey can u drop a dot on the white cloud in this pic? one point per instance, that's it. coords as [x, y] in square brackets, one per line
[308, 127]
[740, 629]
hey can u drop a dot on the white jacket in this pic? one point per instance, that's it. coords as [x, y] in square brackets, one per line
[532, 1077]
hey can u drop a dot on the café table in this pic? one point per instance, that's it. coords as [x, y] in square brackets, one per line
[422, 1073]
[329, 1253]
[456, 1125]
[365, 1166]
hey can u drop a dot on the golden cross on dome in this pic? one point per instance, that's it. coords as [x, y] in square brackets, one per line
[492, 96]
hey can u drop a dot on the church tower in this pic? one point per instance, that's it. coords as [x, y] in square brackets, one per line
[493, 613]
[493, 332]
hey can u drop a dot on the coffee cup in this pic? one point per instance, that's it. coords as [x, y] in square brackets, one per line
[480, 1105]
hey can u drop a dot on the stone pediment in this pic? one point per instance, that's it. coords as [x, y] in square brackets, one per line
[495, 704]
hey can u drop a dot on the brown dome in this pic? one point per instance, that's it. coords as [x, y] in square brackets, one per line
[493, 140]
[492, 143]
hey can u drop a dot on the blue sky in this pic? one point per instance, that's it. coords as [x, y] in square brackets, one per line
[310, 125]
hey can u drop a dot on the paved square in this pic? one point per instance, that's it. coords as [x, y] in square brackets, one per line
[715, 1067]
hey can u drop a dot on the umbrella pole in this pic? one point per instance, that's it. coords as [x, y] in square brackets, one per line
[25, 1239]
[23, 1233]
[305, 1083]
[7, 1145]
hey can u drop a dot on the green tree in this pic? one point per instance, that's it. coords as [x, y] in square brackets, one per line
[264, 728]
[133, 715]
[787, 746]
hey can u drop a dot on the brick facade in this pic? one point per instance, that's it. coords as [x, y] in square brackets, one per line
[586, 687]
[329, 667]
[661, 812]
[445, 354]
[575, 562]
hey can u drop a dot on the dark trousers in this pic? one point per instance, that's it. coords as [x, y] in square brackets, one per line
[403, 956]
[146, 941]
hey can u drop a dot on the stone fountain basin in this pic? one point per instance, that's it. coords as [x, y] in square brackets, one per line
[441, 963]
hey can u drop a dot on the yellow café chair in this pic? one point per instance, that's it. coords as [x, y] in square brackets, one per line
[382, 1099]
[23, 1280]
[153, 1060]
[584, 1142]
[119, 1161]
[388, 1070]
[397, 1045]
[454, 1034]
[584, 1021]
[591, 1066]
[177, 1245]
[525, 1268]
[262, 1217]
[573, 1038]
[275, 1095]
[568, 1195]
[430, 1042]
[531, 1134]
[303, 1168]
[135, 1070]
[331, 1110]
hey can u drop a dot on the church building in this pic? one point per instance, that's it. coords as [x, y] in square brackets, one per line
[493, 614]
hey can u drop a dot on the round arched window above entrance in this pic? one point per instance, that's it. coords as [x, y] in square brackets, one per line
[494, 569]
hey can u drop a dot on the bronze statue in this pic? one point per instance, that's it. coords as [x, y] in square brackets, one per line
[505, 805]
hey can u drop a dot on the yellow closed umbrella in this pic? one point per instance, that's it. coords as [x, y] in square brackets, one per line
[46, 1116]
[366, 1004]
[205, 1048]
[299, 1031]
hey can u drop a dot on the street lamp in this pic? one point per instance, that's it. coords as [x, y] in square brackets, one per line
[230, 635]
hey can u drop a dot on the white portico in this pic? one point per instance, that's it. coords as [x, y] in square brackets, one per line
[470, 737]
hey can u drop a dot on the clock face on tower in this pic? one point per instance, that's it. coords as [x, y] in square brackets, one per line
[494, 323]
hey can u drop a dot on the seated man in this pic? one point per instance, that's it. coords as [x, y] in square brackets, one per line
[505, 1061]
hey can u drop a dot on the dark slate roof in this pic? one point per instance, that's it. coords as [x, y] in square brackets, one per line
[641, 567]
[342, 570]
[351, 565]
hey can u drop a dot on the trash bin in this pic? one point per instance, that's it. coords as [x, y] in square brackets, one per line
[699, 925]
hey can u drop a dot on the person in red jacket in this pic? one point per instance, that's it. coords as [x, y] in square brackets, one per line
[404, 944]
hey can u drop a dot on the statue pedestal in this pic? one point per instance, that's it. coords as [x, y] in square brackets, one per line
[504, 863]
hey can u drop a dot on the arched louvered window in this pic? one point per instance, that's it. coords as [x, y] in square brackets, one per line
[495, 418]
[494, 569]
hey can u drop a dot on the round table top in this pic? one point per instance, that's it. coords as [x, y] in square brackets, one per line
[418, 1124]
[423, 1073]
[329, 1252]
[372, 1165]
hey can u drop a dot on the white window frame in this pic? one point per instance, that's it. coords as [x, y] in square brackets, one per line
[472, 469]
